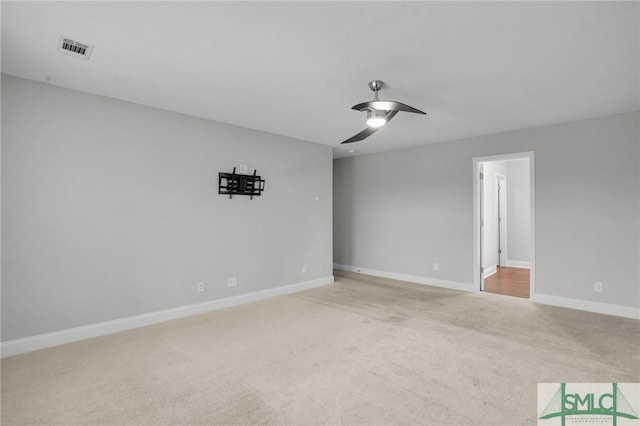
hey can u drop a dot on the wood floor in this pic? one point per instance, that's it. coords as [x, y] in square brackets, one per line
[509, 281]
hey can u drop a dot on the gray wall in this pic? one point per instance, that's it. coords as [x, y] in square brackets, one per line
[400, 211]
[518, 206]
[110, 209]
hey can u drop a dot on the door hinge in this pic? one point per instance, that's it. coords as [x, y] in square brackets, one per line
[481, 175]
[481, 270]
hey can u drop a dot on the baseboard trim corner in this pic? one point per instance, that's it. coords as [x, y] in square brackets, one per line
[589, 306]
[490, 271]
[56, 338]
[416, 279]
[518, 264]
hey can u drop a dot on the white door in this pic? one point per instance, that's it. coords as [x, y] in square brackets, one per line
[481, 212]
[501, 209]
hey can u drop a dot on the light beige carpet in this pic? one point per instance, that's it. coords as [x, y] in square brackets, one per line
[364, 350]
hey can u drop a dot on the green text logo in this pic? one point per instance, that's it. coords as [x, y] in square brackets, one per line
[590, 404]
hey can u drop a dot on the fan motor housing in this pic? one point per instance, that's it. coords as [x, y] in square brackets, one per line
[376, 85]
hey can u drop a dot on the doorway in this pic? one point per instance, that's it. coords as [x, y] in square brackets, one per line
[504, 224]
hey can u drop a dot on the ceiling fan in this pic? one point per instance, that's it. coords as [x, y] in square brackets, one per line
[379, 112]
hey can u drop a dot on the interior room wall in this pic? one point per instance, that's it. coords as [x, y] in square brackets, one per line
[401, 211]
[518, 212]
[111, 209]
[516, 174]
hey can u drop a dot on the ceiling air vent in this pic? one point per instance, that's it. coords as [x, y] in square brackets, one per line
[74, 48]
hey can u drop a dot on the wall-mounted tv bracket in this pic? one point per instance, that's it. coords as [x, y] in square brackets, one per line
[238, 184]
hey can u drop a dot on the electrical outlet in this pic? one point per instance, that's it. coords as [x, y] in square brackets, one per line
[200, 286]
[243, 169]
[232, 282]
[436, 267]
[598, 286]
[304, 269]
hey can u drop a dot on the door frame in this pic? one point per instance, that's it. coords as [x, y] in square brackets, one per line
[477, 280]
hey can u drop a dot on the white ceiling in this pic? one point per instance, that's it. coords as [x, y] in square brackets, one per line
[296, 68]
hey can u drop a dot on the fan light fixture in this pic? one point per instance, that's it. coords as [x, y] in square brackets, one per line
[379, 112]
[376, 119]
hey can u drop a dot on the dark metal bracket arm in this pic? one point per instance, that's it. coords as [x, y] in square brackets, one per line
[238, 184]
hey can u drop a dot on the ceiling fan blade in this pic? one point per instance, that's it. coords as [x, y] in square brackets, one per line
[387, 106]
[369, 130]
[362, 135]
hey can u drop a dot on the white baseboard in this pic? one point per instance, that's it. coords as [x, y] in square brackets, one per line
[42, 341]
[545, 299]
[490, 271]
[586, 305]
[518, 264]
[453, 285]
